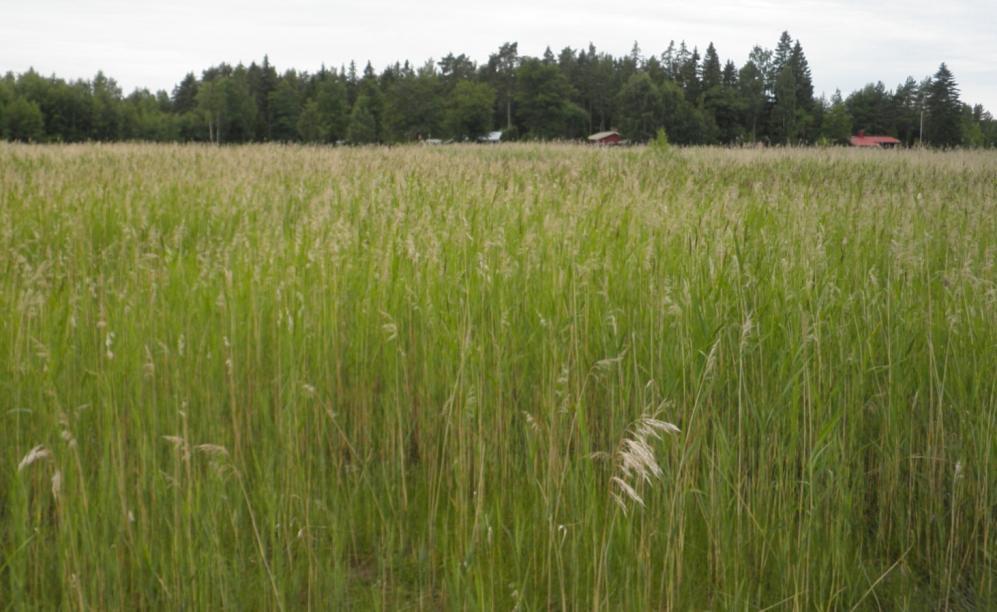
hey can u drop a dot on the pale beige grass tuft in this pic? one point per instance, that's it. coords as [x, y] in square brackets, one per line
[38, 453]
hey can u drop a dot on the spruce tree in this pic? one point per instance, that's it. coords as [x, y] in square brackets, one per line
[689, 77]
[804, 92]
[804, 80]
[783, 52]
[730, 74]
[943, 127]
[712, 75]
[185, 94]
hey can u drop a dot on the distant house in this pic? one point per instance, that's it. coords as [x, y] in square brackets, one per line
[491, 137]
[611, 137]
[876, 142]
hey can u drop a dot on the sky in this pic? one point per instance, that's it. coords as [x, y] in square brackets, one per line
[848, 43]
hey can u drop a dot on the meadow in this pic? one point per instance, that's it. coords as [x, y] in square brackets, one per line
[521, 377]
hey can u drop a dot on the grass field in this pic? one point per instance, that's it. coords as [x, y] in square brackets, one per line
[521, 377]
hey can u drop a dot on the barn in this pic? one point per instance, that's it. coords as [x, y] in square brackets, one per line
[611, 137]
[876, 142]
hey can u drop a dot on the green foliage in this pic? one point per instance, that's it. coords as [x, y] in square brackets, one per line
[684, 122]
[211, 106]
[751, 90]
[284, 106]
[362, 128]
[185, 94]
[659, 144]
[455, 70]
[640, 108]
[566, 95]
[469, 110]
[227, 108]
[333, 109]
[501, 70]
[726, 107]
[543, 99]
[143, 119]
[22, 120]
[310, 128]
[106, 108]
[414, 105]
[837, 125]
[872, 110]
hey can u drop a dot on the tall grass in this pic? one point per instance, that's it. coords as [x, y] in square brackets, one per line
[292, 378]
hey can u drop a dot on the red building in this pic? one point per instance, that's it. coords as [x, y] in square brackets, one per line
[877, 142]
[611, 137]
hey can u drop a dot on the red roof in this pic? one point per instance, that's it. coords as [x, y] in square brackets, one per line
[861, 140]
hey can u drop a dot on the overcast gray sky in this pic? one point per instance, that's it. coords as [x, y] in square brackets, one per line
[153, 44]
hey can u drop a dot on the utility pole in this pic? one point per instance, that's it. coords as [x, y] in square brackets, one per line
[920, 133]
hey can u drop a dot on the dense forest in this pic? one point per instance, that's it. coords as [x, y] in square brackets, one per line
[695, 97]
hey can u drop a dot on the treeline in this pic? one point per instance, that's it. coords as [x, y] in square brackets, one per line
[696, 98]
